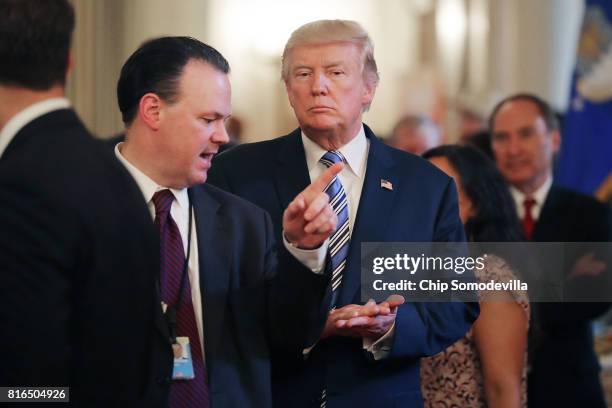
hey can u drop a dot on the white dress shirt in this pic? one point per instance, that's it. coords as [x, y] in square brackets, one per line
[352, 177]
[539, 196]
[180, 214]
[356, 154]
[36, 110]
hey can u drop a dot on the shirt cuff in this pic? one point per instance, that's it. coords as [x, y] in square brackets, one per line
[380, 348]
[313, 259]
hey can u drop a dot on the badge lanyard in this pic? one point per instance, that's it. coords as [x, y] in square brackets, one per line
[171, 310]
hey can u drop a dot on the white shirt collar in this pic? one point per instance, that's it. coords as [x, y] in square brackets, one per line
[539, 196]
[355, 152]
[148, 186]
[17, 122]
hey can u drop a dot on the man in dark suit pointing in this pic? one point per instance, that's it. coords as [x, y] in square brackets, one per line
[221, 287]
[381, 195]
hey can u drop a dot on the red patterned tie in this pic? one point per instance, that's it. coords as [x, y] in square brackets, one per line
[528, 221]
[183, 393]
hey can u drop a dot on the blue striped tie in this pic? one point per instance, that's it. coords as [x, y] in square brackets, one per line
[339, 240]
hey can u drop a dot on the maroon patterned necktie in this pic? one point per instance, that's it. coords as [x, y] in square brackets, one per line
[528, 221]
[183, 393]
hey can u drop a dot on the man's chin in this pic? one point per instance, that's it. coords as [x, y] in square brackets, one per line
[319, 126]
[199, 178]
[517, 179]
[515, 173]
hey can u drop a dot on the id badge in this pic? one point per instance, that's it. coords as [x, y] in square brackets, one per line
[183, 362]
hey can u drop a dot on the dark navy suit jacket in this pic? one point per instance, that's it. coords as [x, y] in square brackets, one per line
[564, 367]
[78, 261]
[421, 207]
[253, 302]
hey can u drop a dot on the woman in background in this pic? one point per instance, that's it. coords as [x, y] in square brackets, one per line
[487, 368]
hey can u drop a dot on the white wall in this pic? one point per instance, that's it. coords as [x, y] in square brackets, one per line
[534, 47]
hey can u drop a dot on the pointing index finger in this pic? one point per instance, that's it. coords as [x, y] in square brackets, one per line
[324, 179]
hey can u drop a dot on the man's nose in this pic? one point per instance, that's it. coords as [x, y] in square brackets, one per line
[320, 84]
[220, 135]
[514, 145]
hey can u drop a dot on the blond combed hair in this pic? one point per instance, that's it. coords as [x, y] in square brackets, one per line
[331, 31]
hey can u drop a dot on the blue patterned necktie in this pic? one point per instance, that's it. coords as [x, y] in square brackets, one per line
[339, 240]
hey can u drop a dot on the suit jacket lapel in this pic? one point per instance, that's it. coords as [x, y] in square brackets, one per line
[375, 205]
[292, 176]
[215, 265]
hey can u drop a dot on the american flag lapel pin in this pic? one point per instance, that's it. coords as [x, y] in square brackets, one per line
[386, 184]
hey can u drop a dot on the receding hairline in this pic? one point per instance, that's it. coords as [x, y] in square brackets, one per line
[180, 81]
[543, 108]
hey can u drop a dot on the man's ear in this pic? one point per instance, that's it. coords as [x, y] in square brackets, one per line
[149, 110]
[69, 63]
[368, 91]
[555, 136]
